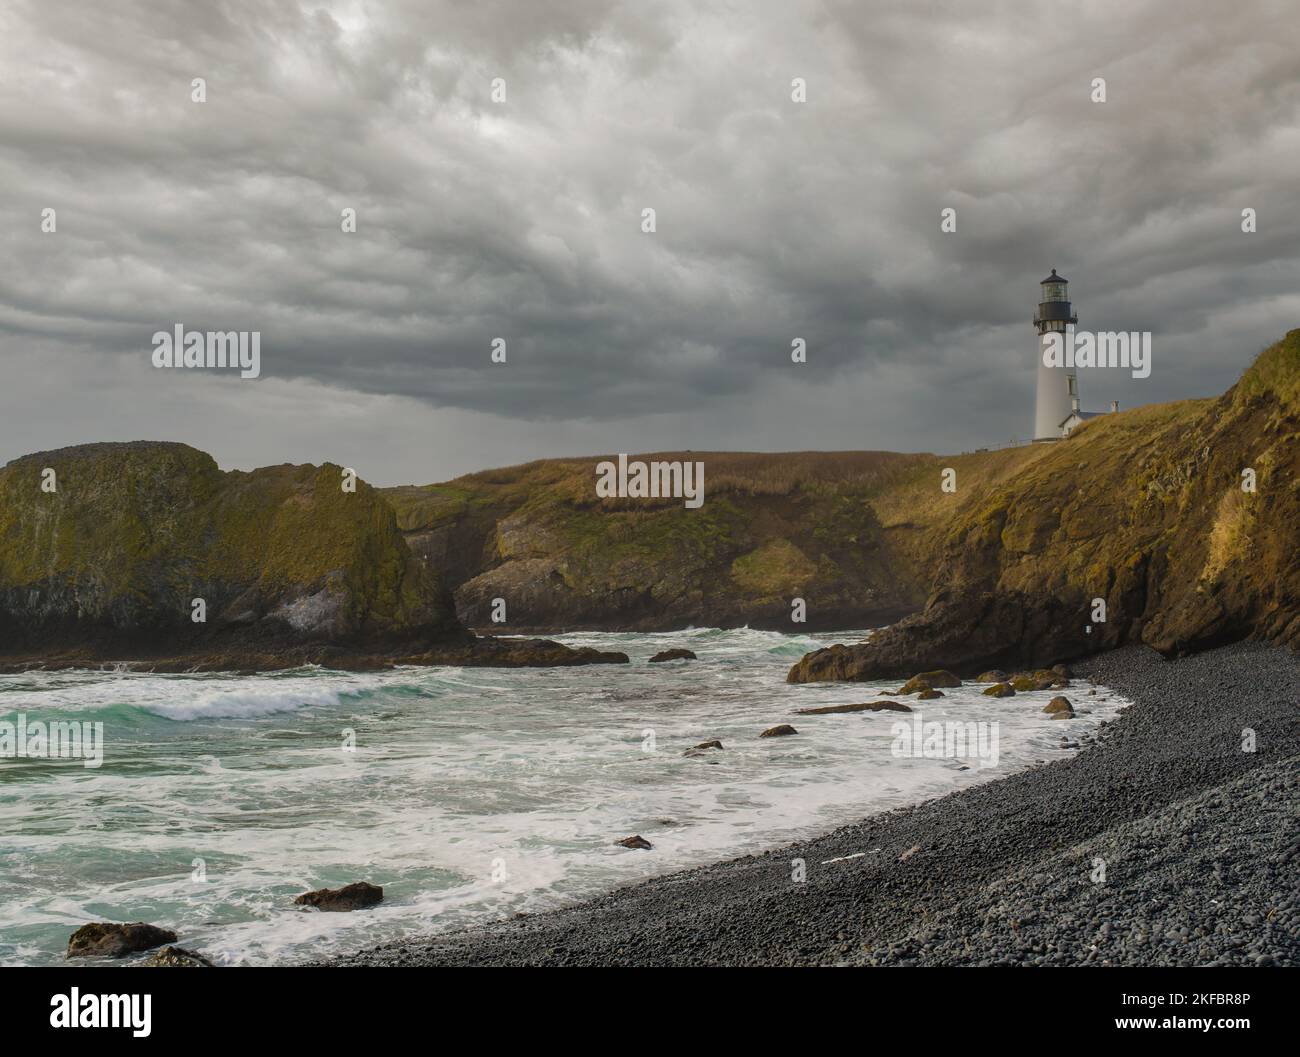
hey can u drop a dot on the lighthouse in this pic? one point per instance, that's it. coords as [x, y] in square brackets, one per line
[1058, 387]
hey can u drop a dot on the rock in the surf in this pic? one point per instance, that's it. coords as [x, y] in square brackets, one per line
[177, 957]
[355, 896]
[106, 939]
[676, 654]
[869, 706]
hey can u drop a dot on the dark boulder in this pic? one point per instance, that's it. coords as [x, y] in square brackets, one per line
[676, 654]
[1059, 708]
[488, 651]
[869, 706]
[940, 677]
[1000, 690]
[779, 731]
[1027, 682]
[635, 841]
[355, 896]
[176, 957]
[104, 939]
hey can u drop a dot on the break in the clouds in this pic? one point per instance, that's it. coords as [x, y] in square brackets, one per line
[522, 219]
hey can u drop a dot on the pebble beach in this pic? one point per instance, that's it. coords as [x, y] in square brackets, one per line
[1170, 838]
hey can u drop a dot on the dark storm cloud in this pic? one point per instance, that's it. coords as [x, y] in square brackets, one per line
[521, 220]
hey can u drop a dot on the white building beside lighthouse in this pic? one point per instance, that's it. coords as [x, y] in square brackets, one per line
[1058, 387]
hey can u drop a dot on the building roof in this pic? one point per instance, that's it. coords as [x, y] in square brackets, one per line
[1084, 415]
[1054, 278]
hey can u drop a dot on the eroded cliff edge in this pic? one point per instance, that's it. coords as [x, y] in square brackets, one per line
[849, 533]
[1144, 509]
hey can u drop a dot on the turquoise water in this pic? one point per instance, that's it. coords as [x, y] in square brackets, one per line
[471, 794]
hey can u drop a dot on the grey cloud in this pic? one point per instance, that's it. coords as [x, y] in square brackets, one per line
[821, 220]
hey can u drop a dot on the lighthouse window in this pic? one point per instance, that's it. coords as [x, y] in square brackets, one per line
[1055, 291]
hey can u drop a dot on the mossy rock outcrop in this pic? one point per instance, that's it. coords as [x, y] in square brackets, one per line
[852, 534]
[820, 526]
[1025, 682]
[939, 679]
[993, 675]
[121, 545]
[929, 681]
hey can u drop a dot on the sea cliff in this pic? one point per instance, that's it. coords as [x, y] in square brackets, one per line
[147, 551]
[1172, 525]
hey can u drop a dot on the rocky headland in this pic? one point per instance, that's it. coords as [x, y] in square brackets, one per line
[146, 554]
[1143, 509]
[1178, 524]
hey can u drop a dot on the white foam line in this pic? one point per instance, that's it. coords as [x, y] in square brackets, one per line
[477, 686]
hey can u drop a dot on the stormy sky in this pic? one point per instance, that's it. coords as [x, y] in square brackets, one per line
[521, 219]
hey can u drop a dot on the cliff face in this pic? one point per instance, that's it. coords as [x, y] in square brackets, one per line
[854, 534]
[1145, 510]
[133, 533]
[772, 528]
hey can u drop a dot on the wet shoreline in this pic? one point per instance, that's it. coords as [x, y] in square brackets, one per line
[1194, 835]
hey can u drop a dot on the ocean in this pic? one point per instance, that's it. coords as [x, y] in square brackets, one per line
[470, 795]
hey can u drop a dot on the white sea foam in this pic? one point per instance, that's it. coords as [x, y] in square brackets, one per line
[241, 704]
[182, 697]
[470, 794]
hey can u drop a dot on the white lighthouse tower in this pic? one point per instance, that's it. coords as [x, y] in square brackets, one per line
[1058, 387]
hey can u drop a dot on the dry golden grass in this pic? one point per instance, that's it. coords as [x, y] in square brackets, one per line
[746, 473]
[1230, 535]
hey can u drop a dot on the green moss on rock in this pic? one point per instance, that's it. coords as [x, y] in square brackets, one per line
[777, 568]
[134, 532]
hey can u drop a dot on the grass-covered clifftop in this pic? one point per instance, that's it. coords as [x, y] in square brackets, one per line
[1145, 510]
[112, 543]
[851, 533]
